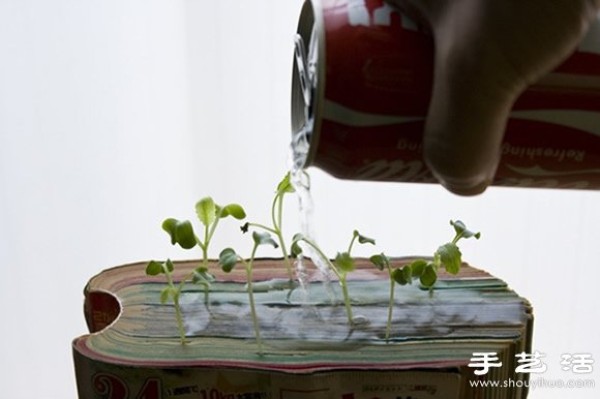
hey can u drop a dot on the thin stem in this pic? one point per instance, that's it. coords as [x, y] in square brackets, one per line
[204, 247]
[279, 233]
[354, 236]
[207, 237]
[251, 299]
[457, 237]
[273, 211]
[179, 317]
[179, 287]
[323, 256]
[279, 213]
[262, 226]
[176, 292]
[341, 277]
[286, 257]
[206, 295]
[347, 304]
[388, 328]
[209, 234]
[205, 256]
[277, 220]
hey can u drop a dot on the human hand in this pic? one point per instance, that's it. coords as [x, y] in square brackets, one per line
[487, 53]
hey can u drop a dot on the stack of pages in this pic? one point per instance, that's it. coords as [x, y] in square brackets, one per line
[460, 339]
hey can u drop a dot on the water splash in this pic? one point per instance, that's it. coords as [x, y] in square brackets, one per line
[301, 182]
[306, 59]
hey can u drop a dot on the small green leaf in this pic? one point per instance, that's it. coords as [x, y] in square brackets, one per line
[429, 275]
[245, 227]
[461, 230]
[402, 275]
[169, 265]
[185, 235]
[263, 238]
[296, 249]
[181, 232]
[206, 211]
[165, 293]
[450, 257]
[407, 273]
[398, 277]
[154, 268]
[362, 239]
[380, 261]
[228, 258]
[202, 276]
[344, 262]
[170, 226]
[417, 267]
[285, 185]
[234, 210]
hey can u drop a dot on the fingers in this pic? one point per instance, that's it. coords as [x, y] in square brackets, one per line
[474, 89]
[470, 101]
[464, 129]
[486, 54]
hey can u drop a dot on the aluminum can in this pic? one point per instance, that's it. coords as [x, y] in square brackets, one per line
[361, 85]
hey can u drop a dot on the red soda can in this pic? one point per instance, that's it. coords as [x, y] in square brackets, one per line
[358, 62]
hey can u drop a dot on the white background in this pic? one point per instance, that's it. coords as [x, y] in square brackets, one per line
[117, 114]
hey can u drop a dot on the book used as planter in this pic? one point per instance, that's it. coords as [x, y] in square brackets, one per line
[309, 350]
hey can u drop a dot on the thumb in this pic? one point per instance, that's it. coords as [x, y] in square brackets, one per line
[473, 92]
[470, 101]
[467, 117]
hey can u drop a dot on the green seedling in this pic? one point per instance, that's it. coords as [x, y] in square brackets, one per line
[382, 262]
[284, 187]
[342, 264]
[447, 256]
[171, 291]
[182, 233]
[228, 259]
